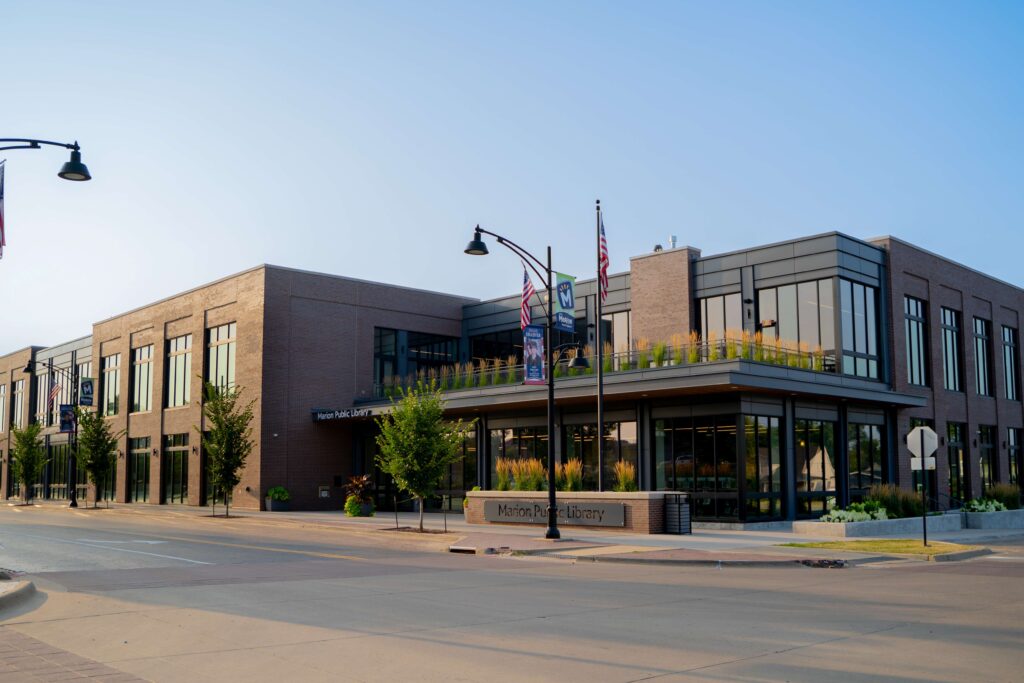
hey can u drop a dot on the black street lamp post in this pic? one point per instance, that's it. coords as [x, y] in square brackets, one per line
[71, 375]
[73, 169]
[477, 247]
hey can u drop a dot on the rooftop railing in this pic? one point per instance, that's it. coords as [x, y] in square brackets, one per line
[643, 356]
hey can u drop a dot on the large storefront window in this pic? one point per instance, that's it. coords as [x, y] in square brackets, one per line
[179, 371]
[430, 352]
[460, 478]
[762, 447]
[814, 449]
[860, 329]
[865, 458]
[719, 316]
[175, 469]
[801, 314]
[698, 455]
[516, 443]
[620, 444]
[220, 356]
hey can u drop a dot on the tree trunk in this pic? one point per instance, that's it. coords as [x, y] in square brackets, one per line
[227, 508]
[420, 501]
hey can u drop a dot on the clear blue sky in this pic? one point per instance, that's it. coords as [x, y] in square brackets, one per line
[366, 139]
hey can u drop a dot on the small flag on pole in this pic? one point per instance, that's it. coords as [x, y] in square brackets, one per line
[54, 391]
[528, 291]
[3, 236]
[602, 265]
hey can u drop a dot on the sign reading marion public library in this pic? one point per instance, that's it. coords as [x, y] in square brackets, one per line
[327, 414]
[536, 512]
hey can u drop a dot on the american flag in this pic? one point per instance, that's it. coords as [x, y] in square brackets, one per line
[54, 391]
[3, 237]
[528, 291]
[602, 263]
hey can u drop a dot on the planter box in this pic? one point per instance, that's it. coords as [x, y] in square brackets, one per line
[1008, 519]
[276, 505]
[640, 512]
[908, 526]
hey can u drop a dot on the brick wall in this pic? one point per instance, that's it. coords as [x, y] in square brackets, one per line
[661, 295]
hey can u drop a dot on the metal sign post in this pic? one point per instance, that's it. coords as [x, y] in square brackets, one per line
[922, 442]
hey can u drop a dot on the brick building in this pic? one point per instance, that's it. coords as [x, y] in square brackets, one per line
[770, 383]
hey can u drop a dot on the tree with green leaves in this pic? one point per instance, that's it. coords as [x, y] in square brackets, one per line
[28, 458]
[226, 441]
[416, 445]
[97, 447]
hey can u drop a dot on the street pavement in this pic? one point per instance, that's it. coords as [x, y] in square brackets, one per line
[174, 595]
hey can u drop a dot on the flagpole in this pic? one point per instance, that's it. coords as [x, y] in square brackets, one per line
[600, 362]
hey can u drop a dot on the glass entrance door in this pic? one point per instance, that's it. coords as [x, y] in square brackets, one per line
[175, 472]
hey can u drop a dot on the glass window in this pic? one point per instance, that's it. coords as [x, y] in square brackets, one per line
[385, 355]
[430, 352]
[142, 379]
[111, 366]
[815, 467]
[17, 405]
[220, 356]
[3, 408]
[916, 328]
[956, 452]
[800, 316]
[179, 371]
[865, 458]
[720, 316]
[175, 474]
[860, 329]
[951, 366]
[763, 496]
[1011, 363]
[987, 453]
[699, 455]
[1013, 444]
[520, 442]
[983, 356]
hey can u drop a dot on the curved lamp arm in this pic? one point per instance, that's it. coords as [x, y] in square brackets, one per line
[529, 258]
[34, 144]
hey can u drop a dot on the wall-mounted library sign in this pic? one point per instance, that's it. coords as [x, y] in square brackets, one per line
[572, 513]
[328, 415]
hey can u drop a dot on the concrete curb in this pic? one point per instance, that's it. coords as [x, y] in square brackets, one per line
[962, 555]
[758, 564]
[20, 591]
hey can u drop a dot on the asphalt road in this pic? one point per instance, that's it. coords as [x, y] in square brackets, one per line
[190, 599]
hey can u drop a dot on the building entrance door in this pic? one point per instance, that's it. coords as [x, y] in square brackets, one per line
[175, 469]
[138, 476]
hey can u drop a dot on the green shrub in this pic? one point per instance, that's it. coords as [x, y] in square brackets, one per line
[984, 505]
[279, 493]
[465, 500]
[353, 508]
[857, 512]
[1007, 494]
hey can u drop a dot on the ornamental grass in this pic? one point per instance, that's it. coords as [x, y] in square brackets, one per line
[528, 474]
[503, 474]
[569, 476]
[625, 476]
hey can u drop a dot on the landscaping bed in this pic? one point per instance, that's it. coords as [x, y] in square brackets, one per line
[1007, 519]
[879, 527]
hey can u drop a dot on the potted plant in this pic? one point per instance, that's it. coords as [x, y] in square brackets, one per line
[359, 496]
[277, 499]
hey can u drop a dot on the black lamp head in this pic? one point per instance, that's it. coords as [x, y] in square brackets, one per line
[75, 169]
[30, 367]
[579, 361]
[476, 246]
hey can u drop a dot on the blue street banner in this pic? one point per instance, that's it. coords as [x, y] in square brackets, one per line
[67, 417]
[85, 391]
[565, 303]
[533, 354]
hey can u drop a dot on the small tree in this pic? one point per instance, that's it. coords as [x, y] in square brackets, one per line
[416, 444]
[28, 458]
[226, 441]
[97, 447]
